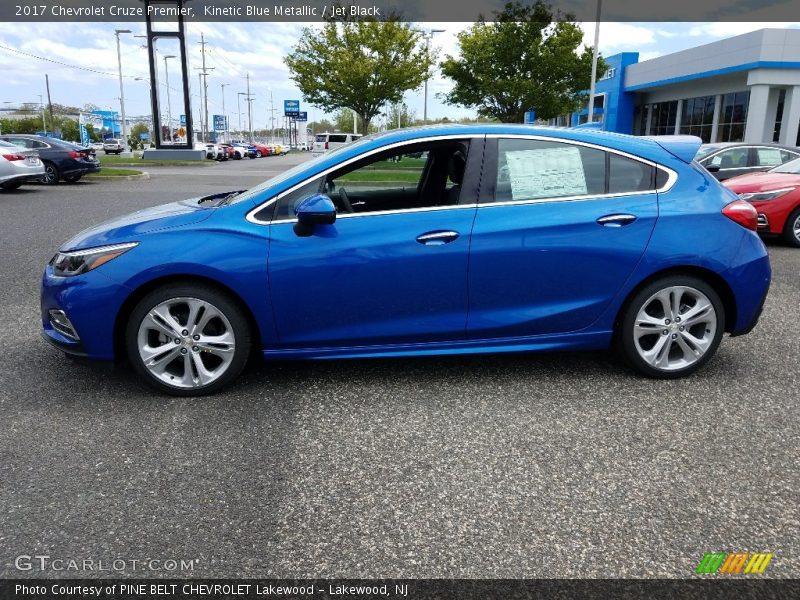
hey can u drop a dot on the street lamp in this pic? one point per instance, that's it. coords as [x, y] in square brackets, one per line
[150, 93]
[169, 98]
[224, 115]
[117, 32]
[428, 36]
[590, 115]
[44, 123]
[239, 108]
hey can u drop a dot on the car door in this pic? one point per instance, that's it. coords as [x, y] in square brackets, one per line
[559, 230]
[374, 277]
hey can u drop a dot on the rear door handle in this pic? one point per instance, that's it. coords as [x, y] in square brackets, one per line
[437, 238]
[616, 220]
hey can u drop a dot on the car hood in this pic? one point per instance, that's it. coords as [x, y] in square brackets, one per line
[129, 227]
[760, 182]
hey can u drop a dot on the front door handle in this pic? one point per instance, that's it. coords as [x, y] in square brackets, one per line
[437, 238]
[616, 220]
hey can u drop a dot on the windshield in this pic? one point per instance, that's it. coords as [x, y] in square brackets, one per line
[792, 167]
[287, 175]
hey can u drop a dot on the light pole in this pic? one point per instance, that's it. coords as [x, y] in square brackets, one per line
[590, 115]
[224, 116]
[150, 94]
[428, 36]
[239, 108]
[169, 100]
[41, 104]
[117, 32]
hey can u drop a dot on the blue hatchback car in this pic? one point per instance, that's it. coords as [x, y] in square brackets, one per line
[437, 240]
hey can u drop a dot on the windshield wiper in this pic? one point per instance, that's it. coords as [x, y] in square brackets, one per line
[219, 199]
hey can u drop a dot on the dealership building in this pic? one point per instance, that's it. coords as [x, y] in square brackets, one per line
[745, 88]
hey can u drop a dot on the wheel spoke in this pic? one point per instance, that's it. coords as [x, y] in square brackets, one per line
[656, 354]
[698, 313]
[158, 364]
[204, 376]
[701, 344]
[665, 299]
[160, 315]
[221, 345]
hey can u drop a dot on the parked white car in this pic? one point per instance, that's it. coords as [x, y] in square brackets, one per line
[18, 165]
[325, 142]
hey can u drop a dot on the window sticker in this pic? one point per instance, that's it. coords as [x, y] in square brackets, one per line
[546, 173]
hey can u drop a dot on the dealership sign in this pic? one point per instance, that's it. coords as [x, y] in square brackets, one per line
[291, 107]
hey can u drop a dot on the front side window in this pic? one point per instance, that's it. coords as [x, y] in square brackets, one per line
[735, 158]
[419, 176]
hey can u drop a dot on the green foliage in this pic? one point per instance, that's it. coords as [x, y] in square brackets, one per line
[359, 65]
[524, 59]
[407, 116]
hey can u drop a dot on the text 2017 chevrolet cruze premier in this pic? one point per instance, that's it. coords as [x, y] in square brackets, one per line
[440, 240]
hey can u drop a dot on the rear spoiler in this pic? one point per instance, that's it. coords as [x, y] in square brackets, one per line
[684, 147]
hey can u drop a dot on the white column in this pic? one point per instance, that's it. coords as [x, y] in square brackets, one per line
[649, 108]
[759, 125]
[715, 119]
[791, 116]
[678, 117]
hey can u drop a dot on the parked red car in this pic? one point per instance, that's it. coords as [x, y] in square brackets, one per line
[264, 150]
[228, 150]
[776, 196]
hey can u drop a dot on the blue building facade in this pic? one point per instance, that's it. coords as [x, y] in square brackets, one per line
[614, 107]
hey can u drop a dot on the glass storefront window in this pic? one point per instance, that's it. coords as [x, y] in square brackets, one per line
[698, 116]
[733, 117]
[663, 119]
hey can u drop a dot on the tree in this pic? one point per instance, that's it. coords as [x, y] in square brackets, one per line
[407, 116]
[321, 126]
[522, 60]
[359, 65]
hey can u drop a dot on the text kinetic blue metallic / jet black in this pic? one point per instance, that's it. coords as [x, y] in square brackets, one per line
[436, 240]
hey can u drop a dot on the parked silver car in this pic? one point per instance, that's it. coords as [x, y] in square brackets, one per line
[18, 165]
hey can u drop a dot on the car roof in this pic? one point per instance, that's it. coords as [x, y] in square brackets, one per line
[644, 147]
[722, 145]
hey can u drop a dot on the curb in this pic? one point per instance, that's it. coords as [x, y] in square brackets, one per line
[140, 176]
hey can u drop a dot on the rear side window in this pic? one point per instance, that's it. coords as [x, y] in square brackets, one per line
[768, 157]
[533, 169]
[628, 175]
[321, 138]
[337, 138]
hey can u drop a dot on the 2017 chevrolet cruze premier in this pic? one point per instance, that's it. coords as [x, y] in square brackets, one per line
[440, 240]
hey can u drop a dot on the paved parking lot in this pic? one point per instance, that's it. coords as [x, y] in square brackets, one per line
[502, 466]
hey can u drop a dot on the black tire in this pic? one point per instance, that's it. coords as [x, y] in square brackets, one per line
[11, 185]
[106, 152]
[259, 154]
[51, 174]
[625, 339]
[791, 231]
[232, 311]
[73, 179]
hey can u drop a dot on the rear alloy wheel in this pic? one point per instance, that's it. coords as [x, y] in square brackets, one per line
[187, 340]
[791, 231]
[259, 154]
[672, 327]
[51, 174]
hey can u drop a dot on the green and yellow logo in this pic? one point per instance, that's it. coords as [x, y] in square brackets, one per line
[734, 563]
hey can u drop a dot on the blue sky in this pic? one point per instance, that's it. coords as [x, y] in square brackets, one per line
[258, 48]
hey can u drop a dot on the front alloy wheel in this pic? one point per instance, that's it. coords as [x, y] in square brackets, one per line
[672, 327]
[188, 340]
[792, 231]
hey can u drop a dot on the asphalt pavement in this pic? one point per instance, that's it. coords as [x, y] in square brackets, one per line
[555, 466]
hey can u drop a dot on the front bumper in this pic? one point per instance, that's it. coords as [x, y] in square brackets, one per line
[91, 302]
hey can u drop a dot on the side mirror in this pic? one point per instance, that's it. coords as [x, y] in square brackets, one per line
[315, 210]
[712, 168]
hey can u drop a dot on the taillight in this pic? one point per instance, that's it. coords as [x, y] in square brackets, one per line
[743, 213]
[326, 145]
[75, 155]
[13, 157]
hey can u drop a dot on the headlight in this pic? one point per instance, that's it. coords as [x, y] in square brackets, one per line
[69, 264]
[769, 195]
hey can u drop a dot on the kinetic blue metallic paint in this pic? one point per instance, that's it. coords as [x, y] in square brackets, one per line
[365, 287]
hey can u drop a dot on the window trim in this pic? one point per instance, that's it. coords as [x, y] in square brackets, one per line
[672, 177]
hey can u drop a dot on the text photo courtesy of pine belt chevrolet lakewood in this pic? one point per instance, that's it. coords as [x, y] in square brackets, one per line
[486, 238]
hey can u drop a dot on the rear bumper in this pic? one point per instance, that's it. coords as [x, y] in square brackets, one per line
[749, 280]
